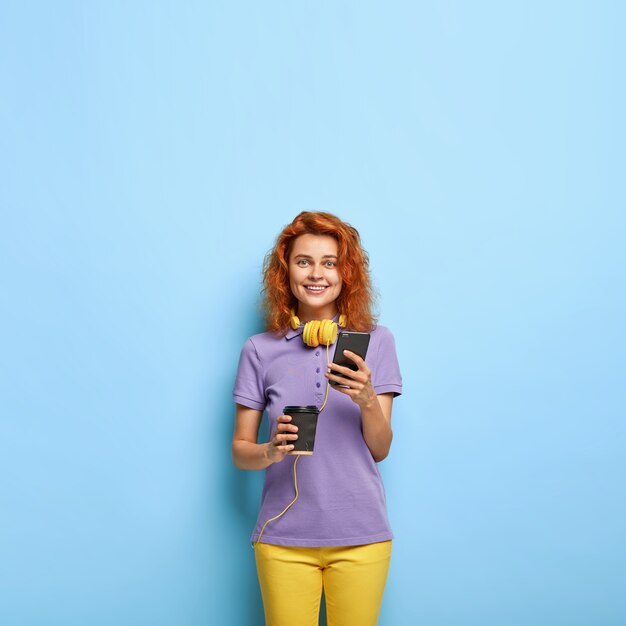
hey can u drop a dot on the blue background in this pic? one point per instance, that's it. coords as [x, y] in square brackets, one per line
[152, 151]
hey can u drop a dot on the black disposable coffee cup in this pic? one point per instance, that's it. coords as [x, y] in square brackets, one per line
[305, 418]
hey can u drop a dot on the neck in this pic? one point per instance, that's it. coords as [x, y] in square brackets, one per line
[306, 314]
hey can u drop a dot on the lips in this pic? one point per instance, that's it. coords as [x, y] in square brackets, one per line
[315, 288]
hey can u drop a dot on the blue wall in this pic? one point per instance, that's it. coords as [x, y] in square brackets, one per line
[151, 151]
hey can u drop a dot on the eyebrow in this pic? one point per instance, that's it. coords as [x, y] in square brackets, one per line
[306, 256]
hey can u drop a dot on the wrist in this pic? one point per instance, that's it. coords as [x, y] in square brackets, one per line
[266, 453]
[371, 402]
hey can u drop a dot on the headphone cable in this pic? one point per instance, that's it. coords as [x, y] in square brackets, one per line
[295, 476]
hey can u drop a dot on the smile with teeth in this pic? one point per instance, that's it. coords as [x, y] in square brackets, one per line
[315, 288]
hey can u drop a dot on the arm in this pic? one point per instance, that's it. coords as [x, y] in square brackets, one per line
[250, 455]
[376, 422]
[375, 409]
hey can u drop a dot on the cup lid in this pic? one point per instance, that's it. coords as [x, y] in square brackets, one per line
[310, 408]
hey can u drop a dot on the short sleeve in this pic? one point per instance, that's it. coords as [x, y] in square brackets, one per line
[386, 377]
[248, 389]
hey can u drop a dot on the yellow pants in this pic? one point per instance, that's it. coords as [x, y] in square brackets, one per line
[292, 578]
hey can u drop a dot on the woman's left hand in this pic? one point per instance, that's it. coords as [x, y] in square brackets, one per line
[357, 385]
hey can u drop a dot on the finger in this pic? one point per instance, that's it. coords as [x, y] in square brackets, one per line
[341, 369]
[284, 449]
[340, 379]
[346, 390]
[282, 438]
[359, 362]
[334, 376]
[287, 428]
[354, 379]
[283, 418]
[348, 371]
[353, 356]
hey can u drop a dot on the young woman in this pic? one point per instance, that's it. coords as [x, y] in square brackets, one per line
[324, 526]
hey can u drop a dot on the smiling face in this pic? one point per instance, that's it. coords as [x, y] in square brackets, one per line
[313, 276]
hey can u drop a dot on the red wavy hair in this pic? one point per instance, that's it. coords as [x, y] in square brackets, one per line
[356, 298]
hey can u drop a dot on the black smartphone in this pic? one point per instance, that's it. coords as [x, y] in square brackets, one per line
[355, 342]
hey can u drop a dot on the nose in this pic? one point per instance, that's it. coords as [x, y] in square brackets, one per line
[316, 272]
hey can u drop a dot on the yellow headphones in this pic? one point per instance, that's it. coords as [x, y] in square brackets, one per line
[318, 332]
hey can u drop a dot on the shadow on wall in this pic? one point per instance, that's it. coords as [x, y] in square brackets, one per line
[242, 488]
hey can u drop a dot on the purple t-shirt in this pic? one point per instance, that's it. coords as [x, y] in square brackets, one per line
[341, 495]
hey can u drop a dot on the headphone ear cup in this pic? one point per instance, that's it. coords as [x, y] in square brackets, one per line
[333, 332]
[314, 335]
[310, 334]
[328, 332]
[317, 332]
[324, 332]
[295, 321]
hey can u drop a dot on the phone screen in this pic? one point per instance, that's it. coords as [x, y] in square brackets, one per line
[356, 342]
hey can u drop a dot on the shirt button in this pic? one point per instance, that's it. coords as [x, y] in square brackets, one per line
[317, 384]
[317, 370]
[317, 353]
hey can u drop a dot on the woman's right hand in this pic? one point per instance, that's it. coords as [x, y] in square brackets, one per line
[280, 445]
